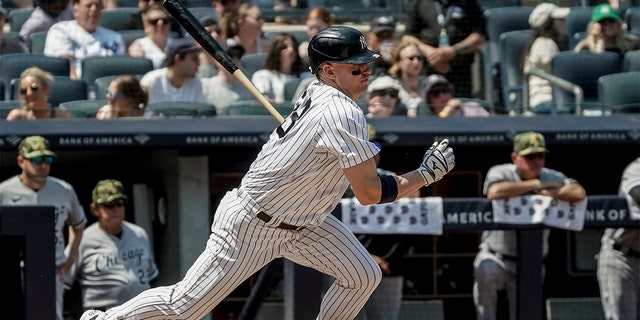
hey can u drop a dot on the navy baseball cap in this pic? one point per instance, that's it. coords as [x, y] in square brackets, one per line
[180, 46]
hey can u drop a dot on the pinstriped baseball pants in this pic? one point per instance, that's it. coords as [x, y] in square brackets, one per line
[240, 244]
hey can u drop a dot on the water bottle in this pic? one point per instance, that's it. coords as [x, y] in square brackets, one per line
[443, 40]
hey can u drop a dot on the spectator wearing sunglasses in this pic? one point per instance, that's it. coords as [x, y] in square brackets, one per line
[34, 95]
[495, 265]
[135, 21]
[607, 32]
[382, 98]
[244, 28]
[439, 97]
[34, 186]
[115, 261]
[126, 97]
[153, 45]
[408, 67]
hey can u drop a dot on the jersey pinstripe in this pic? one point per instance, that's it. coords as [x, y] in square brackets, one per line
[304, 157]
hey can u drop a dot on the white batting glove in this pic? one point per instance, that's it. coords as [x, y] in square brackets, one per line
[437, 161]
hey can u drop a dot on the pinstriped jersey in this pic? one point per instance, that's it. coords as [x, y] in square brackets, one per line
[298, 177]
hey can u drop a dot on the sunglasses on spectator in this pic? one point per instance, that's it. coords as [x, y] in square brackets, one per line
[118, 203]
[436, 92]
[113, 96]
[34, 88]
[386, 92]
[258, 17]
[420, 58]
[535, 156]
[155, 21]
[41, 159]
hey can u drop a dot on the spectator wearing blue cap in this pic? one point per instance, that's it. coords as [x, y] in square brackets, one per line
[177, 81]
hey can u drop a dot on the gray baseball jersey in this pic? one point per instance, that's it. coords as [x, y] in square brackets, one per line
[297, 179]
[55, 192]
[505, 241]
[111, 269]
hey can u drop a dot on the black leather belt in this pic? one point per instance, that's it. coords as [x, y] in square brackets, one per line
[266, 218]
[626, 250]
[503, 256]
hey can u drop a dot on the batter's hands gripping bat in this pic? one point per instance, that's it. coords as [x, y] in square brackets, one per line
[186, 19]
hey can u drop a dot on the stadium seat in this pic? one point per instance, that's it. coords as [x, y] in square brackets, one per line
[12, 65]
[6, 106]
[62, 89]
[36, 42]
[499, 20]
[574, 308]
[11, 35]
[83, 108]
[116, 18]
[96, 67]
[299, 35]
[577, 20]
[180, 109]
[252, 63]
[632, 61]
[201, 12]
[615, 95]
[17, 17]
[254, 108]
[632, 18]
[582, 69]
[512, 47]
[576, 38]
[128, 36]
[290, 88]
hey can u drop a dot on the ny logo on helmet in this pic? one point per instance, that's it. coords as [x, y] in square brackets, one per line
[363, 43]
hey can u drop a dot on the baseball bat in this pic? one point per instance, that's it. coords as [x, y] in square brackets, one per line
[186, 19]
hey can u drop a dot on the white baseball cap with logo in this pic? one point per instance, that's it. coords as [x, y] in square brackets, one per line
[545, 11]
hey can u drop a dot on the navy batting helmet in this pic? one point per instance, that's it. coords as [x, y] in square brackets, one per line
[339, 44]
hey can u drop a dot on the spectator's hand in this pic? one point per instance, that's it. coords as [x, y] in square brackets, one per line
[439, 58]
[453, 105]
[437, 162]
[382, 263]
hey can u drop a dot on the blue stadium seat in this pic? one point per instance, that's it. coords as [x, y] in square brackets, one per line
[96, 67]
[17, 17]
[36, 42]
[252, 62]
[577, 20]
[180, 109]
[512, 47]
[116, 18]
[632, 61]
[12, 65]
[254, 108]
[582, 69]
[83, 108]
[615, 95]
[632, 18]
[499, 20]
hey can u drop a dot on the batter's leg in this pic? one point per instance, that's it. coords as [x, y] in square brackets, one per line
[332, 249]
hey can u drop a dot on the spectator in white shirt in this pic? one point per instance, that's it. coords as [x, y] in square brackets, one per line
[177, 81]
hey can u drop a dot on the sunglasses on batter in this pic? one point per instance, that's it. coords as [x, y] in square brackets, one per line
[118, 203]
[42, 159]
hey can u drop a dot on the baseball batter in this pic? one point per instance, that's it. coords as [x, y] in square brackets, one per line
[619, 258]
[34, 186]
[115, 261]
[283, 204]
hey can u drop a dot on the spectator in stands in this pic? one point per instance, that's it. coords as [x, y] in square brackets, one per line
[34, 186]
[281, 65]
[408, 67]
[439, 97]
[495, 265]
[380, 39]
[34, 95]
[135, 21]
[9, 45]
[177, 81]
[606, 32]
[245, 29]
[223, 89]
[547, 22]
[126, 97]
[316, 19]
[619, 257]
[115, 261]
[448, 35]
[46, 14]
[223, 7]
[208, 66]
[157, 24]
[83, 37]
[382, 98]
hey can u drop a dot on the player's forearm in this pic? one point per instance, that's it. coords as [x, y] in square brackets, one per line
[469, 44]
[75, 235]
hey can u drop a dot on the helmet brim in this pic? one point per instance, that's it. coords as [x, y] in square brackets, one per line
[361, 58]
